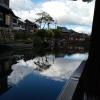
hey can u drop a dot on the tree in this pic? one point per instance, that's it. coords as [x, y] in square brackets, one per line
[44, 18]
[44, 34]
[49, 20]
[40, 20]
[57, 33]
[85, 0]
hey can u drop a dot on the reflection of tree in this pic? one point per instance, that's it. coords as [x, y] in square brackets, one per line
[42, 50]
[42, 64]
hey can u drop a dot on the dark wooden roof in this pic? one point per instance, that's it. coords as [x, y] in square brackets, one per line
[31, 23]
[4, 8]
[14, 14]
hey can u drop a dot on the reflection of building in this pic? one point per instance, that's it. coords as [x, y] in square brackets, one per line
[5, 70]
[3, 85]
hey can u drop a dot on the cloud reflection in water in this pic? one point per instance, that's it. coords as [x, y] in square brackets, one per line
[61, 68]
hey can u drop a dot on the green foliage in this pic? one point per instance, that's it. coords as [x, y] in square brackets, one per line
[57, 33]
[18, 36]
[44, 34]
[23, 36]
[85, 0]
[41, 34]
[50, 34]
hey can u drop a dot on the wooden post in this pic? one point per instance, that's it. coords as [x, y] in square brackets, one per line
[92, 71]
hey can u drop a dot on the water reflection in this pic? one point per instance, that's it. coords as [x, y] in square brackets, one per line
[5, 70]
[76, 57]
[42, 64]
[55, 64]
[60, 68]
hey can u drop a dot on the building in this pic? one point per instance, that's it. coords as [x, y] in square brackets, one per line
[26, 26]
[21, 25]
[5, 12]
[31, 26]
[10, 23]
[14, 21]
[17, 24]
[7, 20]
[72, 36]
[5, 2]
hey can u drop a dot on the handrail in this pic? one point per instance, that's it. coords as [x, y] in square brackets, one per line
[70, 87]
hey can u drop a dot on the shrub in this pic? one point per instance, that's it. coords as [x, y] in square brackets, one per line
[44, 34]
[56, 33]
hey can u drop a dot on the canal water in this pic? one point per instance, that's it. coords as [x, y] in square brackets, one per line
[37, 74]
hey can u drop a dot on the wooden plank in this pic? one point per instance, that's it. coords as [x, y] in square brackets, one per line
[70, 87]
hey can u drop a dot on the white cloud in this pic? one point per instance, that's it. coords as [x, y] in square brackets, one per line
[21, 5]
[70, 12]
[60, 70]
[83, 29]
[64, 11]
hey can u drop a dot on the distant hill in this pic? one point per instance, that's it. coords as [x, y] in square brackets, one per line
[71, 31]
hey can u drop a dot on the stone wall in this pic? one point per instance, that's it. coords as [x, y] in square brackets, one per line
[6, 35]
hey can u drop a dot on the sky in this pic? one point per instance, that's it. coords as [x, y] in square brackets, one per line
[76, 15]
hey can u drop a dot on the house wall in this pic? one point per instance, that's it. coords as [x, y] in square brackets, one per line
[5, 24]
[5, 21]
[5, 2]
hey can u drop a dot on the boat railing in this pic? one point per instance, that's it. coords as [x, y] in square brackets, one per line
[70, 87]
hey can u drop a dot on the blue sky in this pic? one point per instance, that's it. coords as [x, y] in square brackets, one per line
[77, 15]
[37, 1]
